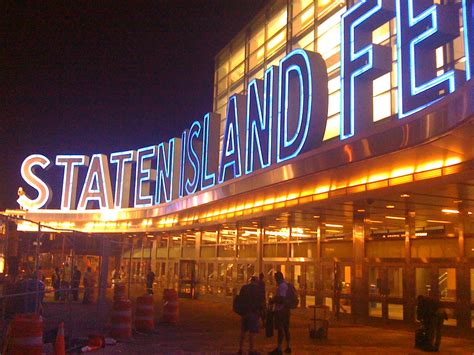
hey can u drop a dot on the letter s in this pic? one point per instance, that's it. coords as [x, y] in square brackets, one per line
[28, 174]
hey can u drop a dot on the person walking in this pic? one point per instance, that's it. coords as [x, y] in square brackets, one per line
[150, 278]
[76, 281]
[432, 318]
[281, 314]
[250, 303]
[56, 282]
[88, 286]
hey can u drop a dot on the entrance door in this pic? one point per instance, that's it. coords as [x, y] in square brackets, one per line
[187, 278]
[386, 292]
[439, 282]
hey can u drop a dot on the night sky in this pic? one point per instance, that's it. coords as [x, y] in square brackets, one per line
[97, 77]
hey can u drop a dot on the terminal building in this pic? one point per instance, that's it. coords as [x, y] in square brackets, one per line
[340, 152]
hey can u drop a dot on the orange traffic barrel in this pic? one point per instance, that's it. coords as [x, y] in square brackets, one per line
[26, 334]
[121, 319]
[144, 315]
[170, 306]
[119, 291]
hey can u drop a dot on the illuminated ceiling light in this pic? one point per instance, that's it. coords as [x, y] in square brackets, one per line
[316, 216]
[333, 231]
[390, 206]
[373, 221]
[404, 195]
[360, 210]
[449, 211]
[333, 225]
[436, 221]
[395, 217]
[469, 213]
[457, 201]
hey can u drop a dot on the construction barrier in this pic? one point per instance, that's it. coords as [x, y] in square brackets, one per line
[59, 344]
[170, 306]
[121, 319]
[26, 334]
[144, 315]
[119, 291]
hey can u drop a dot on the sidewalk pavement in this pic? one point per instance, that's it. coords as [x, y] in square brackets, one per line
[210, 327]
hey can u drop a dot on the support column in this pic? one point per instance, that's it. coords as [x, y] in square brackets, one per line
[463, 287]
[409, 291]
[360, 291]
[318, 268]
[104, 269]
[260, 247]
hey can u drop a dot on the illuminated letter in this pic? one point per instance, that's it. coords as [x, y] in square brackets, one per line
[193, 151]
[231, 155]
[210, 150]
[97, 186]
[422, 28]
[124, 162]
[167, 177]
[302, 97]
[468, 24]
[144, 174]
[28, 174]
[183, 172]
[260, 113]
[71, 165]
[362, 62]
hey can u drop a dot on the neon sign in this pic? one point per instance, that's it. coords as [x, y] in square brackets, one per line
[279, 117]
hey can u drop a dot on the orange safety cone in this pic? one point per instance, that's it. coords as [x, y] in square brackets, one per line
[59, 345]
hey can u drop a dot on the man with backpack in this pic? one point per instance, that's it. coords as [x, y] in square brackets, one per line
[247, 304]
[285, 298]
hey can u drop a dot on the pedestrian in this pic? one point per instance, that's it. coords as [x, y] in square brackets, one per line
[76, 281]
[428, 337]
[281, 314]
[150, 278]
[33, 287]
[250, 303]
[56, 282]
[88, 281]
[263, 297]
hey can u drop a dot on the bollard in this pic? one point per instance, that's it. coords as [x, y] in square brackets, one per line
[170, 306]
[119, 291]
[26, 334]
[121, 319]
[144, 315]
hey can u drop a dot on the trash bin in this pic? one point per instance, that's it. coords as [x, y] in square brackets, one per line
[318, 328]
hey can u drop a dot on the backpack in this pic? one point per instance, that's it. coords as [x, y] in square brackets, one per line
[240, 304]
[291, 300]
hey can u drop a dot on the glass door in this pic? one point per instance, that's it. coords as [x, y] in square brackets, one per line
[386, 292]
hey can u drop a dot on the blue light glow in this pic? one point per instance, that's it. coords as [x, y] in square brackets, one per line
[305, 82]
[195, 132]
[165, 171]
[468, 24]
[363, 17]
[230, 156]
[143, 177]
[208, 179]
[410, 93]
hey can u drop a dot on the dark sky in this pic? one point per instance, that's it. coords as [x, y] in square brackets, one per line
[84, 77]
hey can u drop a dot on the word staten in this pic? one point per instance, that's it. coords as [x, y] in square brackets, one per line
[281, 116]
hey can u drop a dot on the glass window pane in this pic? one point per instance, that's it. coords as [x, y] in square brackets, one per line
[299, 5]
[375, 309]
[237, 56]
[257, 39]
[382, 106]
[381, 34]
[326, 6]
[447, 284]
[276, 23]
[395, 311]
[333, 126]
[395, 282]
[307, 42]
[375, 281]
[423, 281]
[303, 20]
